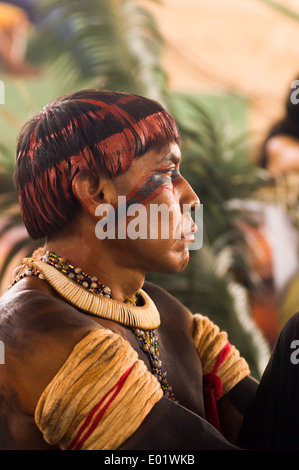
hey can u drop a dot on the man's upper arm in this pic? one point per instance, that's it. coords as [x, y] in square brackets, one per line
[41, 335]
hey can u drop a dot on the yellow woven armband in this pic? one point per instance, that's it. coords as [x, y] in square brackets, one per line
[216, 352]
[99, 397]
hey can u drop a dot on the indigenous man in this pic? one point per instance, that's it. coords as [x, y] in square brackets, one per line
[95, 357]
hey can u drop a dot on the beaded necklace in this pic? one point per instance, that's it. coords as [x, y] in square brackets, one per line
[76, 274]
[148, 342]
[92, 301]
[90, 286]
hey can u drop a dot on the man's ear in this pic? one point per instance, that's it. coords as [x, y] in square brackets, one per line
[91, 192]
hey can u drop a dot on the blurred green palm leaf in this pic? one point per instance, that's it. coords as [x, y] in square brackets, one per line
[112, 44]
[283, 9]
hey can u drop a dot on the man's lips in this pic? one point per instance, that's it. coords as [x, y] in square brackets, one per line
[190, 235]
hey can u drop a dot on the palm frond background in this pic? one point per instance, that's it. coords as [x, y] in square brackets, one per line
[113, 44]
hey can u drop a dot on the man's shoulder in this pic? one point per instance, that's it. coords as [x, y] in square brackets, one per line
[170, 307]
[39, 333]
[160, 295]
[32, 311]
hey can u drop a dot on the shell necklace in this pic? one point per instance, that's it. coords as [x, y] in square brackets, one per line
[89, 295]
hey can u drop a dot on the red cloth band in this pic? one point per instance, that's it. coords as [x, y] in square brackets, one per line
[212, 389]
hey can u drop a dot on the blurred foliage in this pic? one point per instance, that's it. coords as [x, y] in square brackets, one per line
[112, 44]
[115, 44]
[289, 12]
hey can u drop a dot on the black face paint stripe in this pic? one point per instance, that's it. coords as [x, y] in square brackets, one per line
[149, 188]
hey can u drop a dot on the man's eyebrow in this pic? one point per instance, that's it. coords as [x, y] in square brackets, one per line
[171, 157]
[175, 158]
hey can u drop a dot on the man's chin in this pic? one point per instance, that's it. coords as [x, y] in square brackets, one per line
[174, 266]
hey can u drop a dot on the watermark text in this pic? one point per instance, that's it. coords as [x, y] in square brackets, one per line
[2, 353]
[156, 221]
[295, 354]
[295, 94]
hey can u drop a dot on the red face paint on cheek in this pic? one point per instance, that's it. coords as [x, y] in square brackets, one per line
[148, 188]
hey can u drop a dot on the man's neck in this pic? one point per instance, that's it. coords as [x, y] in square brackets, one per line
[123, 281]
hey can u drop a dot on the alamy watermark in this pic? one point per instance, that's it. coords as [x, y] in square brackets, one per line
[156, 221]
[2, 92]
[294, 357]
[295, 94]
[2, 353]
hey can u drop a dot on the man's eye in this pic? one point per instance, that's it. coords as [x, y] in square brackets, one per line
[170, 172]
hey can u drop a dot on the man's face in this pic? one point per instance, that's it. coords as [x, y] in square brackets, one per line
[152, 213]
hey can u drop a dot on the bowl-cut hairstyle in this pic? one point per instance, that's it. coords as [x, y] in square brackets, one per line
[95, 131]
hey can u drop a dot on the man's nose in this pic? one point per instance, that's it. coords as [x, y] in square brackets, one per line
[188, 196]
